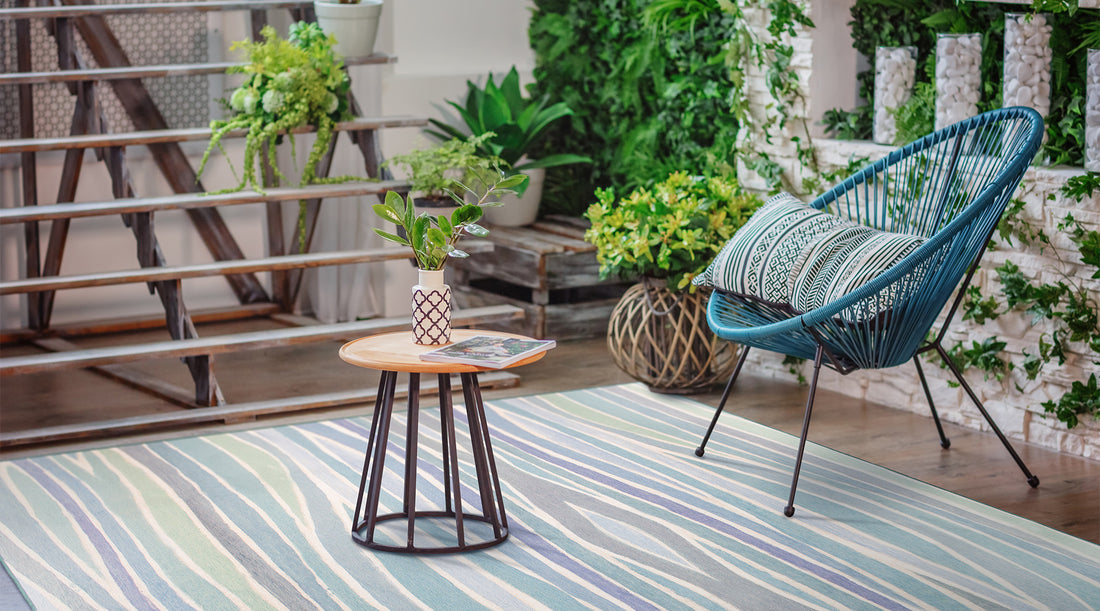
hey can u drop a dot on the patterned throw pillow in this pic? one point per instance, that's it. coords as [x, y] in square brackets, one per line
[760, 258]
[847, 263]
[791, 254]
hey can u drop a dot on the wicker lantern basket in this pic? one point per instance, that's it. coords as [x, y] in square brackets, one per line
[660, 337]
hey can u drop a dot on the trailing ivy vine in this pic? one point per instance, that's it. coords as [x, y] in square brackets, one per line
[1067, 304]
[644, 105]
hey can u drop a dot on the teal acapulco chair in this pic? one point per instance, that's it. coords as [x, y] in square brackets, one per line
[947, 192]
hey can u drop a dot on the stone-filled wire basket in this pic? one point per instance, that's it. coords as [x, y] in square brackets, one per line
[660, 337]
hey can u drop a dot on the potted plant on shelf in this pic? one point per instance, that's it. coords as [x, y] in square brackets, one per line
[666, 235]
[434, 239]
[435, 173]
[354, 24]
[516, 123]
[290, 83]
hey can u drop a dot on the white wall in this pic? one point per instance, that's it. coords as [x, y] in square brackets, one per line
[439, 44]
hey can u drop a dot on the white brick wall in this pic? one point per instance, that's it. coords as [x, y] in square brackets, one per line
[1018, 412]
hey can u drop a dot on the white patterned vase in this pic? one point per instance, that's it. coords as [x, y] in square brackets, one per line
[431, 309]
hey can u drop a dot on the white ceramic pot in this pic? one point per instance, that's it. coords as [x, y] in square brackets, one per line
[519, 211]
[431, 309]
[355, 26]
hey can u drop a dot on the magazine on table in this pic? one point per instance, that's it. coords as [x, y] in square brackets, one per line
[488, 351]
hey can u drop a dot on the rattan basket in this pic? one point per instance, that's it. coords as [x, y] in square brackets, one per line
[660, 337]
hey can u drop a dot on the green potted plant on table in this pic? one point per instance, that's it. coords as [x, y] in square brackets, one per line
[353, 23]
[515, 123]
[290, 83]
[434, 239]
[666, 235]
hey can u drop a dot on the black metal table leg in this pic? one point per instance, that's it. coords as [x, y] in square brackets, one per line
[492, 500]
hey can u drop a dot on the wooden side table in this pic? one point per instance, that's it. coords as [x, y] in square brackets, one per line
[392, 353]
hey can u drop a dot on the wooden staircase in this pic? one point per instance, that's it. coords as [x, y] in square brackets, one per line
[68, 20]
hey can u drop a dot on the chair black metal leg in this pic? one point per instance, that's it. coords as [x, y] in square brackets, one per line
[722, 403]
[789, 509]
[944, 441]
[1032, 480]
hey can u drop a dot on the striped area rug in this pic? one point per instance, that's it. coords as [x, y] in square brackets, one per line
[608, 508]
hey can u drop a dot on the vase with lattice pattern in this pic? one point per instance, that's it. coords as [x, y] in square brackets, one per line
[431, 309]
[660, 337]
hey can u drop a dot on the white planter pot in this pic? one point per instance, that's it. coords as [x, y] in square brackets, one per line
[355, 26]
[519, 211]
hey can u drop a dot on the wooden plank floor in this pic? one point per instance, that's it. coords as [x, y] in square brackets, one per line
[975, 466]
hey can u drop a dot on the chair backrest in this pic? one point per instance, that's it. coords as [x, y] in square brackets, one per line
[951, 187]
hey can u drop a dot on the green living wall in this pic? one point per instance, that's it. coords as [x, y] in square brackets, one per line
[648, 98]
[893, 23]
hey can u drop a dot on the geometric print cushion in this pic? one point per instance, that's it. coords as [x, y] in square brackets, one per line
[768, 250]
[844, 260]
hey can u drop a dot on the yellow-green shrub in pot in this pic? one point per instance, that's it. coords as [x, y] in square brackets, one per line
[665, 236]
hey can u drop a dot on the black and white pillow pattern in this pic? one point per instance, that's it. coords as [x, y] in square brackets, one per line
[791, 254]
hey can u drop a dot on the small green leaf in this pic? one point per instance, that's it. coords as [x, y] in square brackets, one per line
[465, 215]
[476, 230]
[388, 213]
[392, 237]
[444, 224]
[437, 237]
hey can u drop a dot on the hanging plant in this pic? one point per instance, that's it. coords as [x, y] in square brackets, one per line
[290, 84]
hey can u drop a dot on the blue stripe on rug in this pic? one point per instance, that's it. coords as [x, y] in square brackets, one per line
[608, 507]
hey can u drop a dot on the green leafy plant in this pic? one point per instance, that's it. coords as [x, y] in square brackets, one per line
[290, 84]
[671, 230]
[1067, 304]
[515, 124]
[437, 172]
[649, 95]
[433, 239]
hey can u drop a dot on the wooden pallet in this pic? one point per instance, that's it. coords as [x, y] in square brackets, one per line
[549, 271]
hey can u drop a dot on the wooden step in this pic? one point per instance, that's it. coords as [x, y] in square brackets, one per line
[206, 6]
[254, 340]
[185, 201]
[202, 270]
[158, 71]
[142, 323]
[191, 134]
[232, 413]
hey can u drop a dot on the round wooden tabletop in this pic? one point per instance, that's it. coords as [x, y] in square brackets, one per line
[397, 352]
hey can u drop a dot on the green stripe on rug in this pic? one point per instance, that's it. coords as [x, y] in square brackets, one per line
[607, 504]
